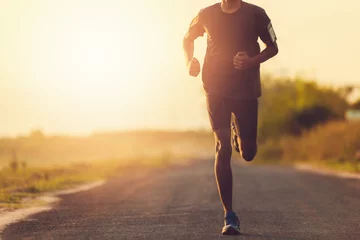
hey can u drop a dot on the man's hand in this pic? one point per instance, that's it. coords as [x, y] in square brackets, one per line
[242, 61]
[194, 67]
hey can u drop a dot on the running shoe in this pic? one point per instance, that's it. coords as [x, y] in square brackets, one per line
[231, 224]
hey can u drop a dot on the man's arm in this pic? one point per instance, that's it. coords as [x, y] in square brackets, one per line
[188, 45]
[192, 63]
[270, 51]
[242, 62]
[196, 30]
[268, 37]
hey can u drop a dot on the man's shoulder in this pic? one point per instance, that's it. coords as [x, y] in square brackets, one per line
[210, 9]
[253, 8]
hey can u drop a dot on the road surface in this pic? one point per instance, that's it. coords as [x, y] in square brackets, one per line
[182, 203]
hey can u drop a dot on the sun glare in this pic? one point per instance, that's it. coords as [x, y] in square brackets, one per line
[84, 65]
[98, 56]
[95, 59]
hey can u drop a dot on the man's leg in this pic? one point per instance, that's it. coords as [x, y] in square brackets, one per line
[220, 115]
[224, 180]
[246, 121]
[223, 171]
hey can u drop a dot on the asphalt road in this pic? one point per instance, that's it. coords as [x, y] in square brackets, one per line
[182, 203]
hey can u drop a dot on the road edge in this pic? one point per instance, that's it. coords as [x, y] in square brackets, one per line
[323, 171]
[7, 218]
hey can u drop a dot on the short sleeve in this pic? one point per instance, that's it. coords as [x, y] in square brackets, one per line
[265, 29]
[196, 28]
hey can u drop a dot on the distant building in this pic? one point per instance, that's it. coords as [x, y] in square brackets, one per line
[353, 114]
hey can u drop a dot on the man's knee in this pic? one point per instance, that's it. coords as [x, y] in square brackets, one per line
[248, 149]
[223, 145]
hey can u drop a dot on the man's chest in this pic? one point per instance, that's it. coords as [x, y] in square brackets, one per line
[240, 27]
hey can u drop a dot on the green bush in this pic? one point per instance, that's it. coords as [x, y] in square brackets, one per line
[290, 106]
[311, 117]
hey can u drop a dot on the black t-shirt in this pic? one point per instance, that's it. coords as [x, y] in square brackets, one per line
[228, 34]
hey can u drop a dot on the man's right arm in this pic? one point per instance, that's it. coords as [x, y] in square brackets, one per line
[196, 30]
[192, 63]
[188, 45]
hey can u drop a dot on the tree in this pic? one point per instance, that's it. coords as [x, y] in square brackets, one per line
[312, 116]
[289, 106]
[356, 105]
[37, 134]
[14, 163]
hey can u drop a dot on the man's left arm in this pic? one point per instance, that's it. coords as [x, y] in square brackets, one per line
[267, 34]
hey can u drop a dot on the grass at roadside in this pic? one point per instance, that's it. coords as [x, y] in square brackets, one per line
[332, 166]
[28, 183]
[334, 146]
[341, 167]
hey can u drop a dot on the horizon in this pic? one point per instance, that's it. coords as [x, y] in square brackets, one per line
[104, 132]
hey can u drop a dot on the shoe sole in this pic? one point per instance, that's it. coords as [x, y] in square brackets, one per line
[230, 231]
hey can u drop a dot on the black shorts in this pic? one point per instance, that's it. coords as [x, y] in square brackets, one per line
[220, 110]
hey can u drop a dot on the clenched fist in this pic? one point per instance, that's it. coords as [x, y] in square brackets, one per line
[242, 61]
[194, 67]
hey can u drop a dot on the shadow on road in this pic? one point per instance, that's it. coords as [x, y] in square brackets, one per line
[246, 236]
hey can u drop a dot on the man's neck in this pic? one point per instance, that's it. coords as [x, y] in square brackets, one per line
[230, 6]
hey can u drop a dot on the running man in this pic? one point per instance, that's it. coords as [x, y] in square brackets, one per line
[231, 79]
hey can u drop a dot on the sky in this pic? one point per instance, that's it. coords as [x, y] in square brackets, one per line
[83, 66]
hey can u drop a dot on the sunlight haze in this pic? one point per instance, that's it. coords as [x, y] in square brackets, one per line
[79, 66]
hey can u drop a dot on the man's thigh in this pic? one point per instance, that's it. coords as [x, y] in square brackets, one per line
[246, 118]
[219, 110]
